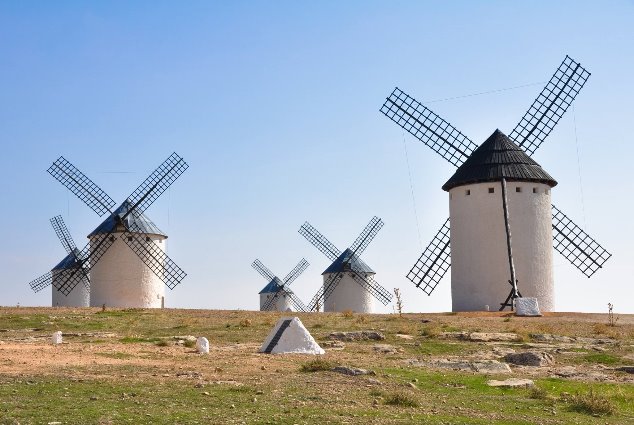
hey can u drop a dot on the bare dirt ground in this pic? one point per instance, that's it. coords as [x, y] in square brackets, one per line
[146, 347]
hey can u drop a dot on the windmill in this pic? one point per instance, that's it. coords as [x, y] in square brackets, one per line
[348, 282]
[79, 296]
[483, 214]
[126, 253]
[276, 295]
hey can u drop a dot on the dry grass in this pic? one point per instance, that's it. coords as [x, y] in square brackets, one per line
[317, 365]
[401, 399]
[591, 403]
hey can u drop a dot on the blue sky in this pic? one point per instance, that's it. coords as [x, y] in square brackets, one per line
[274, 105]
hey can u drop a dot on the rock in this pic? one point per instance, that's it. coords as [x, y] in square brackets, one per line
[374, 381]
[527, 307]
[511, 383]
[412, 385]
[352, 371]
[551, 338]
[357, 336]
[425, 320]
[480, 366]
[493, 336]
[530, 358]
[628, 369]
[202, 345]
[567, 372]
[190, 338]
[483, 336]
[56, 338]
[333, 345]
[403, 336]
[386, 349]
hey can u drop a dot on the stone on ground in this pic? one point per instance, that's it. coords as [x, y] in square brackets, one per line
[352, 371]
[479, 366]
[202, 345]
[527, 306]
[294, 339]
[57, 337]
[357, 336]
[511, 383]
[530, 358]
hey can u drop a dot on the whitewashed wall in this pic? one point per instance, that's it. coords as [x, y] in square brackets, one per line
[479, 259]
[121, 279]
[348, 295]
[282, 303]
[78, 297]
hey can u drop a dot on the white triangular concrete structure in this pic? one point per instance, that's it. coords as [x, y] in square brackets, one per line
[295, 338]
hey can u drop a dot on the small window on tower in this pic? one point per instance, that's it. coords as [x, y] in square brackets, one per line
[534, 190]
[491, 190]
[518, 189]
[468, 192]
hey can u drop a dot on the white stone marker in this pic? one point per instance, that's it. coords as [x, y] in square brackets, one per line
[57, 337]
[202, 345]
[527, 306]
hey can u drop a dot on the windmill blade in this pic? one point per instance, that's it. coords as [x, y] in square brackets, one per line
[324, 290]
[550, 105]
[367, 235]
[429, 128]
[297, 303]
[154, 257]
[294, 274]
[87, 257]
[63, 234]
[157, 183]
[371, 285]
[263, 270]
[319, 241]
[41, 282]
[433, 262]
[577, 246]
[71, 278]
[84, 188]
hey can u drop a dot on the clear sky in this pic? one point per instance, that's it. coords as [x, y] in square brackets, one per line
[275, 106]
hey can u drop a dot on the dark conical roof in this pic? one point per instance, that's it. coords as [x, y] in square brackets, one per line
[68, 262]
[347, 258]
[274, 286]
[141, 222]
[496, 158]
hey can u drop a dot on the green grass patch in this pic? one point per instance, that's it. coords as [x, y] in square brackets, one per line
[591, 403]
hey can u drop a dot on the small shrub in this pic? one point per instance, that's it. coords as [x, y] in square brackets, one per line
[348, 314]
[401, 399]
[538, 393]
[189, 343]
[316, 365]
[399, 301]
[361, 319]
[431, 331]
[591, 403]
[245, 323]
[507, 319]
[612, 319]
[163, 343]
[376, 392]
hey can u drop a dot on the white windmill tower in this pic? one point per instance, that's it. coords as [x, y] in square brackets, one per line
[276, 295]
[499, 236]
[348, 282]
[126, 253]
[79, 296]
